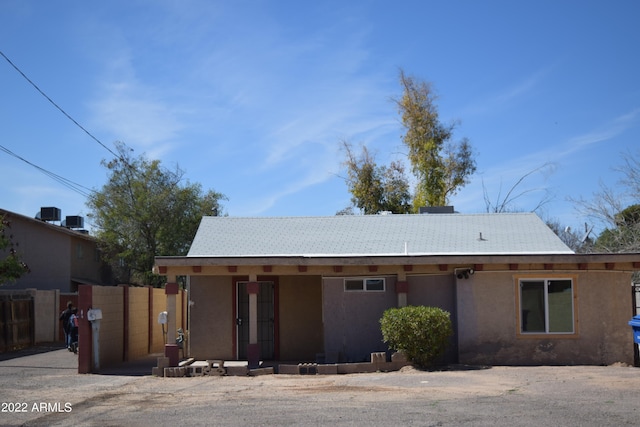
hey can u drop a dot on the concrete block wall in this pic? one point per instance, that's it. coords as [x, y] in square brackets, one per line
[45, 304]
[129, 328]
[110, 301]
[158, 304]
[138, 327]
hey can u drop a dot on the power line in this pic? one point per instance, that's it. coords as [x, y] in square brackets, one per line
[56, 105]
[78, 188]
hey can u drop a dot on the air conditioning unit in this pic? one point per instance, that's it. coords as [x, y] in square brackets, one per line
[74, 222]
[50, 214]
[436, 210]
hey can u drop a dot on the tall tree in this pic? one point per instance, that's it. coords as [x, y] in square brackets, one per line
[617, 210]
[144, 211]
[375, 188]
[440, 165]
[11, 266]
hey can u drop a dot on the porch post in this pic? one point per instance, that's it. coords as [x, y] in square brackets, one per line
[253, 349]
[170, 347]
[402, 289]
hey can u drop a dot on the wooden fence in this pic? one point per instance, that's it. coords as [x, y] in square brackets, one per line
[17, 323]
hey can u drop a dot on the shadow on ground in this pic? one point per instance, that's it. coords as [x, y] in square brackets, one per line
[453, 368]
[28, 351]
[133, 368]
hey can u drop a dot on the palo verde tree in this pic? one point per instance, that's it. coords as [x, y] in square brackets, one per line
[146, 210]
[440, 165]
[376, 188]
[11, 266]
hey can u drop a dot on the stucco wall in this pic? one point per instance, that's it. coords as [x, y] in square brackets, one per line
[300, 317]
[352, 320]
[84, 260]
[488, 322]
[38, 246]
[437, 291]
[605, 306]
[211, 323]
[54, 255]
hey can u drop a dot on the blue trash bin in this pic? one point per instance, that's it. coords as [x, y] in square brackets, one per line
[635, 325]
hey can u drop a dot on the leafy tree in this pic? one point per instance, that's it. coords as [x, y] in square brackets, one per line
[376, 188]
[441, 166]
[11, 267]
[625, 236]
[144, 211]
[422, 333]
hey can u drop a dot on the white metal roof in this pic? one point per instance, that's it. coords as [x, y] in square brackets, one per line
[376, 235]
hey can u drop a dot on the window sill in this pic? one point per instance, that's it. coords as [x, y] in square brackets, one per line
[551, 336]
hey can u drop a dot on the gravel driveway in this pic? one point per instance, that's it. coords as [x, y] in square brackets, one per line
[44, 389]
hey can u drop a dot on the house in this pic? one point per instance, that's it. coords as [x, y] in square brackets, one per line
[60, 256]
[314, 288]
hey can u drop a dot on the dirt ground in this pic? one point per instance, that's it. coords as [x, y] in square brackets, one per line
[51, 393]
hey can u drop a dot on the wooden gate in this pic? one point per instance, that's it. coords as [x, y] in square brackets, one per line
[17, 326]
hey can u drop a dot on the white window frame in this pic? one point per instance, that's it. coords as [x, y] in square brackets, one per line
[546, 280]
[367, 283]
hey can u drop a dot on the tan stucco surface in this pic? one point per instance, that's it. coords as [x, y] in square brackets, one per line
[211, 325]
[352, 320]
[488, 322]
[300, 317]
[54, 254]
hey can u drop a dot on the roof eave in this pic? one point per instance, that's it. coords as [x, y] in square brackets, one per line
[434, 259]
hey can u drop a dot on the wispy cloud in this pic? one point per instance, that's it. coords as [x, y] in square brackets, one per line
[609, 130]
[502, 99]
[499, 178]
[135, 112]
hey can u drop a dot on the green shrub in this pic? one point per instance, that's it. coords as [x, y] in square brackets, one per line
[421, 333]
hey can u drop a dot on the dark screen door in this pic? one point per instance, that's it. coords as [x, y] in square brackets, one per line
[266, 331]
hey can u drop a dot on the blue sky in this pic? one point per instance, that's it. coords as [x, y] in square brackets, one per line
[252, 98]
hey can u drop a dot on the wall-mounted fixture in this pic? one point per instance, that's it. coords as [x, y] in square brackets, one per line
[464, 273]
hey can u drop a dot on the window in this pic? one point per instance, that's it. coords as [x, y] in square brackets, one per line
[364, 285]
[546, 306]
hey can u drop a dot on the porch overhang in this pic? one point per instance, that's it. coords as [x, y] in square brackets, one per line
[381, 265]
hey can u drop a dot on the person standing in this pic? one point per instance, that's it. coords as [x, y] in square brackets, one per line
[64, 318]
[73, 330]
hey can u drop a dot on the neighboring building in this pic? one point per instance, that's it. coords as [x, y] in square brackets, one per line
[314, 288]
[58, 257]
